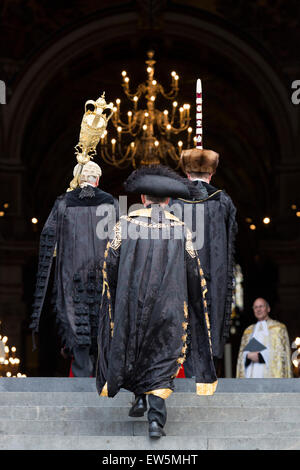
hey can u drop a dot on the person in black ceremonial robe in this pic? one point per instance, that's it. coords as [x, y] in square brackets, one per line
[153, 302]
[211, 215]
[75, 236]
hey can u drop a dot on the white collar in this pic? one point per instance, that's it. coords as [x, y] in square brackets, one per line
[199, 179]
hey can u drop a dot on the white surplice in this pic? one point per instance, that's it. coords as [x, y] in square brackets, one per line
[261, 334]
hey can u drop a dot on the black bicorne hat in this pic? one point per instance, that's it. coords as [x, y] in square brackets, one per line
[158, 181]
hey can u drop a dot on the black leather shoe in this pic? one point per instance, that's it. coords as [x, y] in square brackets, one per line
[155, 430]
[139, 407]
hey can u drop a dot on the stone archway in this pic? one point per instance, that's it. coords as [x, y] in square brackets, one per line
[195, 30]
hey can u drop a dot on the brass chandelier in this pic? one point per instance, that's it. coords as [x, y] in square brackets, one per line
[148, 135]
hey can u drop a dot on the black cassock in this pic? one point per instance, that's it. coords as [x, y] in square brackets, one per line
[72, 231]
[211, 216]
[153, 305]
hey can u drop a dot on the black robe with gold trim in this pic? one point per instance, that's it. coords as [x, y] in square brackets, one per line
[70, 237]
[212, 218]
[152, 305]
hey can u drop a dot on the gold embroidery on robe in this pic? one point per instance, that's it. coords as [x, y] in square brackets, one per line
[161, 392]
[180, 360]
[189, 244]
[147, 214]
[206, 389]
[117, 240]
[104, 391]
[105, 288]
[185, 309]
[183, 350]
[184, 325]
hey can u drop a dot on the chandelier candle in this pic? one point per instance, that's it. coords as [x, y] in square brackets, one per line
[199, 115]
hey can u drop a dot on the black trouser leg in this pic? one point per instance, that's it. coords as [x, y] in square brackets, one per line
[82, 365]
[157, 410]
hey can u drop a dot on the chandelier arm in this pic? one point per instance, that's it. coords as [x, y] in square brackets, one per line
[170, 95]
[107, 157]
[173, 154]
[104, 156]
[124, 157]
[159, 120]
[137, 125]
[122, 124]
[135, 133]
[130, 128]
[141, 89]
[111, 160]
[184, 125]
[177, 130]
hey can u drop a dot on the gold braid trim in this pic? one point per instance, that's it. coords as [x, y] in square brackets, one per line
[160, 392]
[150, 225]
[177, 372]
[204, 291]
[148, 213]
[185, 309]
[189, 244]
[140, 213]
[206, 389]
[106, 288]
[104, 391]
[184, 325]
[201, 200]
[170, 216]
[117, 240]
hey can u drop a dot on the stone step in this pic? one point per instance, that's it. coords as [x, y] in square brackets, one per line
[168, 443]
[131, 427]
[77, 384]
[123, 399]
[179, 414]
[67, 414]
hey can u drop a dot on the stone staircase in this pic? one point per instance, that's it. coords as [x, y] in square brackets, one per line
[67, 414]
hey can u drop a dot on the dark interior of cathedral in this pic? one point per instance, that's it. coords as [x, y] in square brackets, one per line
[55, 56]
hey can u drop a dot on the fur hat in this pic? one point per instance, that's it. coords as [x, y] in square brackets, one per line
[199, 161]
[158, 181]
